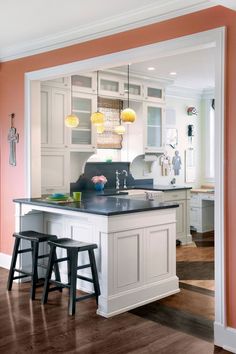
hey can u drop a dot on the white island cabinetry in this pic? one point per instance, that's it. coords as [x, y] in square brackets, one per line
[136, 255]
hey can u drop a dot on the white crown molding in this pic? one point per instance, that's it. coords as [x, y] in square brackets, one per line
[120, 23]
[208, 93]
[136, 75]
[183, 92]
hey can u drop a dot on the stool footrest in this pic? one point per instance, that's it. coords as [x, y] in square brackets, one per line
[43, 256]
[61, 260]
[55, 288]
[85, 278]
[84, 266]
[20, 276]
[59, 284]
[22, 272]
[25, 250]
[84, 297]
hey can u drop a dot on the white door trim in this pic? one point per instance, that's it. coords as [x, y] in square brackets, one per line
[216, 38]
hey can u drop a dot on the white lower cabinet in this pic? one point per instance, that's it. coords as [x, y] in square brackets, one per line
[202, 212]
[182, 197]
[55, 166]
[160, 256]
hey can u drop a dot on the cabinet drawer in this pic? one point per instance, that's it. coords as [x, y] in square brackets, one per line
[174, 195]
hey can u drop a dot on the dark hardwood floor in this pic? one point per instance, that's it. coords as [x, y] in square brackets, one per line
[28, 327]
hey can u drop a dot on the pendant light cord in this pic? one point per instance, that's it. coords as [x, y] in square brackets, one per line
[71, 95]
[128, 85]
[97, 91]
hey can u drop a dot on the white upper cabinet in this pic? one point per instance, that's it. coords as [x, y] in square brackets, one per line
[54, 108]
[110, 85]
[154, 93]
[83, 137]
[117, 86]
[84, 83]
[154, 124]
[60, 82]
[135, 90]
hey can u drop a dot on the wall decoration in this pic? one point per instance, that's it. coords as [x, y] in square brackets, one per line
[172, 137]
[165, 163]
[192, 111]
[190, 133]
[176, 162]
[190, 169]
[13, 138]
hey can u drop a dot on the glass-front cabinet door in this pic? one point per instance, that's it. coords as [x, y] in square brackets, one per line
[154, 133]
[83, 137]
[109, 85]
[135, 90]
[154, 93]
[83, 83]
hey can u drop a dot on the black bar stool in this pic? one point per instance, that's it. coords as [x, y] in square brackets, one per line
[35, 238]
[73, 248]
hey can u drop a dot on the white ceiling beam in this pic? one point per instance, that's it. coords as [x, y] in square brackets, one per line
[231, 4]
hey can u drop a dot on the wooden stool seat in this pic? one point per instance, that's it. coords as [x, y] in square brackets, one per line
[69, 243]
[34, 238]
[73, 248]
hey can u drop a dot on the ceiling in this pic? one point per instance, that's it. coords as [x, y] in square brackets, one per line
[194, 69]
[29, 26]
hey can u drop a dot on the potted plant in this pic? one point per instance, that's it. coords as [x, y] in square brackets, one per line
[99, 182]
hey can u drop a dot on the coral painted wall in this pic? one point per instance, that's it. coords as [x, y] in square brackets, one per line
[12, 100]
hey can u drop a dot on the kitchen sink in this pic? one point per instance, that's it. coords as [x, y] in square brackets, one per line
[140, 194]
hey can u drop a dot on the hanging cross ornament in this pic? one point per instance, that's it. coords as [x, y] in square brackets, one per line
[13, 138]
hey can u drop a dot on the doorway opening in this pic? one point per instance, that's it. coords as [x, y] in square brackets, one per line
[210, 38]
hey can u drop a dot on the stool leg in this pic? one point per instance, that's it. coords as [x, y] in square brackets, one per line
[94, 274]
[72, 277]
[48, 274]
[56, 271]
[13, 263]
[35, 247]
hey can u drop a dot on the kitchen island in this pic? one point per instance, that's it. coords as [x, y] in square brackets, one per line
[136, 255]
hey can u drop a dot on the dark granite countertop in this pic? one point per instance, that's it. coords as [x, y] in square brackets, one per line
[102, 205]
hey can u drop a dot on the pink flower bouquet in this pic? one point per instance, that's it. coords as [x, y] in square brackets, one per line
[99, 179]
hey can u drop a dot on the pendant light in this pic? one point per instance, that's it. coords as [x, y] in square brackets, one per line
[119, 129]
[71, 121]
[100, 129]
[128, 115]
[97, 118]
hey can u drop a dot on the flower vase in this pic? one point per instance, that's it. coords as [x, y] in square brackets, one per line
[99, 186]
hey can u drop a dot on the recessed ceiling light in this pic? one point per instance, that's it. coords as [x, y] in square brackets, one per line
[173, 73]
[151, 68]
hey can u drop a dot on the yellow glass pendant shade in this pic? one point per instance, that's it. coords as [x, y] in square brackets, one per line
[100, 129]
[128, 115]
[71, 121]
[119, 129]
[97, 118]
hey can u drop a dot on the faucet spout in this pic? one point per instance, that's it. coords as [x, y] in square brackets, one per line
[126, 175]
[117, 180]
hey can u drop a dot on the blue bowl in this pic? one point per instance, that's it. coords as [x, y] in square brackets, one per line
[58, 195]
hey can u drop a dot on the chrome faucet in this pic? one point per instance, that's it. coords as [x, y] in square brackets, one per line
[117, 180]
[126, 175]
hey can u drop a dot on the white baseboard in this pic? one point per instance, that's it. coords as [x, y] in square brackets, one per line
[5, 260]
[225, 337]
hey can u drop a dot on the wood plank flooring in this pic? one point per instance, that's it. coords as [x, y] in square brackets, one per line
[29, 327]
